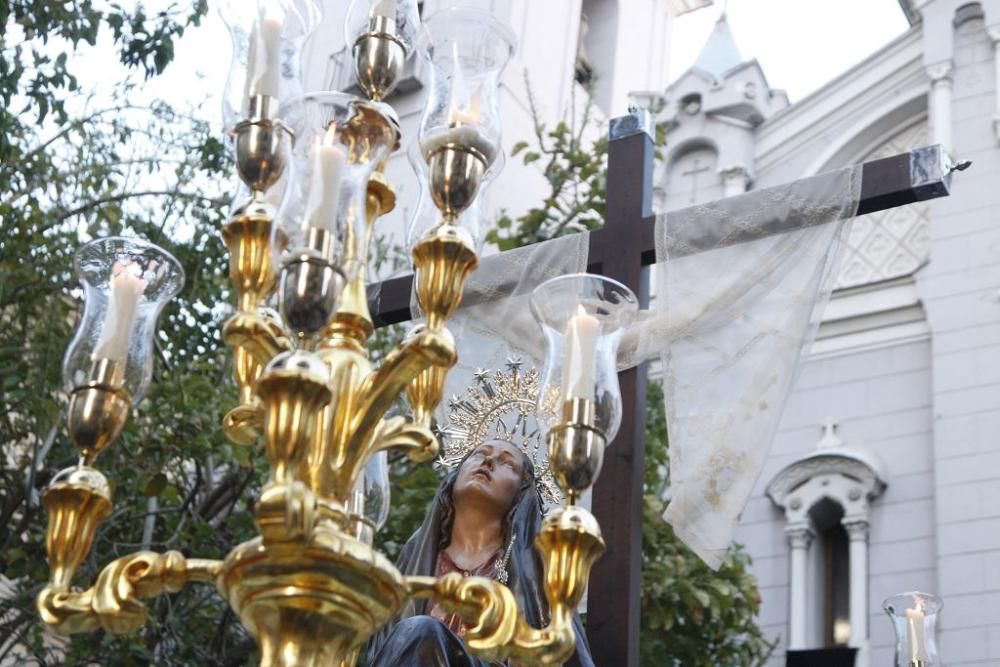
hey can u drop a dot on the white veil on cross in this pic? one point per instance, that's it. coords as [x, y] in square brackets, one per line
[737, 294]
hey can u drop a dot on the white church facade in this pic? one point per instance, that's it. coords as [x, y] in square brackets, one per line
[885, 473]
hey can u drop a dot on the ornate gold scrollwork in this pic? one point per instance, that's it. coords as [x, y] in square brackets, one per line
[113, 603]
[569, 541]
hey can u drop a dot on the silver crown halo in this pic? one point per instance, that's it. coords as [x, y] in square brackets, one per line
[500, 405]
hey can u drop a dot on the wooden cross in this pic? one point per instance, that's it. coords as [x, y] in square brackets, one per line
[620, 250]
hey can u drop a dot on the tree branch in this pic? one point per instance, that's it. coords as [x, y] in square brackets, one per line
[122, 196]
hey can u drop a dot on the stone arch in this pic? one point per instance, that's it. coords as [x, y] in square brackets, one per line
[692, 173]
[871, 130]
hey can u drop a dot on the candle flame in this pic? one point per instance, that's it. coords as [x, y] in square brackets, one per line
[330, 136]
[272, 11]
[467, 116]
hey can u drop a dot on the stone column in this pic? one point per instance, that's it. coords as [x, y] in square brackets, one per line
[940, 76]
[857, 532]
[994, 33]
[734, 180]
[799, 539]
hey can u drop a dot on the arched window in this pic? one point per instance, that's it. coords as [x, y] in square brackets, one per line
[693, 176]
[832, 585]
[825, 496]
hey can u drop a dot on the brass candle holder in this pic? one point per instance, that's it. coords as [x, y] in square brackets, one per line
[379, 55]
[261, 144]
[576, 449]
[98, 409]
[456, 172]
[310, 285]
[261, 153]
[126, 282]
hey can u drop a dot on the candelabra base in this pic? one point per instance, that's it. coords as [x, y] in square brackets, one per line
[314, 603]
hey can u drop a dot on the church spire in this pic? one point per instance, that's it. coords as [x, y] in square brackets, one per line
[720, 53]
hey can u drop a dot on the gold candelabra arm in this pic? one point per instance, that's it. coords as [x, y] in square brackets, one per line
[416, 440]
[487, 604]
[255, 337]
[425, 349]
[77, 503]
[569, 542]
[247, 236]
[259, 332]
[285, 514]
[114, 602]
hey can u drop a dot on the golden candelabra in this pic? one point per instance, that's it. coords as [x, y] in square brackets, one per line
[310, 587]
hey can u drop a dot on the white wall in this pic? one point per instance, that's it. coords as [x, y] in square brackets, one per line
[960, 289]
[882, 399]
[930, 408]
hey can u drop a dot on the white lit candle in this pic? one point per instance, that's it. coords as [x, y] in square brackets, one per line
[581, 355]
[252, 47]
[265, 57]
[119, 320]
[463, 130]
[915, 635]
[323, 198]
[384, 9]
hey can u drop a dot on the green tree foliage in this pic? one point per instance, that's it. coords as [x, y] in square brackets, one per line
[75, 166]
[691, 615]
[575, 171]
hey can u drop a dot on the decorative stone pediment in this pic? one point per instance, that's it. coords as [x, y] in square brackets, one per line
[850, 476]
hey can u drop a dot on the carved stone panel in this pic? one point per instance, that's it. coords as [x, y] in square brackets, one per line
[893, 243]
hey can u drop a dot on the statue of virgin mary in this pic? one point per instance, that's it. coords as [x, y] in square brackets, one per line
[482, 522]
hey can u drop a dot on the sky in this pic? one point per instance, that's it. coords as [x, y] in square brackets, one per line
[800, 44]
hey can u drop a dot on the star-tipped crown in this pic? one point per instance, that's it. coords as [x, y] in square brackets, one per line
[500, 405]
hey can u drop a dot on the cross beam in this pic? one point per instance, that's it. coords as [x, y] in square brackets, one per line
[620, 250]
[886, 183]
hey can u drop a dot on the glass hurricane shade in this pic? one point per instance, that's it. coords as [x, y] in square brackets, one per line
[914, 619]
[126, 283]
[583, 318]
[267, 36]
[466, 50]
[426, 215]
[375, 482]
[340, 140]
[365, 16]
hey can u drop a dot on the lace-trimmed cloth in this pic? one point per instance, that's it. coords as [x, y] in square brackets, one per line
[738, 295]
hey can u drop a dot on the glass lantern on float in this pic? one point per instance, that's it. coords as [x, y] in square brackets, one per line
[266, 67]
[914, 618]
[583, 318]
[426, 214]
[371, 498]
[381, 35]
[320, 242]
[265, 72]
[109, 363]
[467, 50]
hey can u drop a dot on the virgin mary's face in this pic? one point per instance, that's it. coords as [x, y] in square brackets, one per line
[491, 474]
